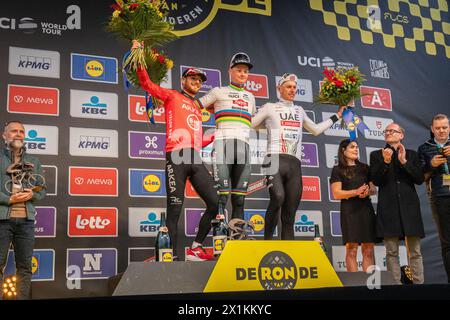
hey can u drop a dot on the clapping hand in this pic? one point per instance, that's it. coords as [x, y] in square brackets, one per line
[402, 154]
[363, 191]
[387, 155]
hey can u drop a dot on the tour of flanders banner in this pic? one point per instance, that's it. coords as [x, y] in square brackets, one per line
[105, 163]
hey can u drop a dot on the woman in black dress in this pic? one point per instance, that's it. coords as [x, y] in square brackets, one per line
[351, 184]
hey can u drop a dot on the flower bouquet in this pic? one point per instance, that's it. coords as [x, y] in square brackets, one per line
[142, 21]
[340, 87]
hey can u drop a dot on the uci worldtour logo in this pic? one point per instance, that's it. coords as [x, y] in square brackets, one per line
[29, 25]
[189, 17]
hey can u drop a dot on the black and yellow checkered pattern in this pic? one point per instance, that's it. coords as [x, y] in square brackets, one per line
[433, 30]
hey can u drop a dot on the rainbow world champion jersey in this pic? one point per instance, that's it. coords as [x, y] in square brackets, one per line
[233, 109]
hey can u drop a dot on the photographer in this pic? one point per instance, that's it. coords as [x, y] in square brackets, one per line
[434, 157]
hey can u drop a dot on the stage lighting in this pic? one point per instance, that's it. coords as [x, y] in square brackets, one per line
[9, 288]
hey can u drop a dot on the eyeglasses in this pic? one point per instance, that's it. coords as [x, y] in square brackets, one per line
[390, 131]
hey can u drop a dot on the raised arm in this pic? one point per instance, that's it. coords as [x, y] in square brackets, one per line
[152, 88]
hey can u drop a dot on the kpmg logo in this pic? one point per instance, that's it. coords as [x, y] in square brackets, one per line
[41, 139]
[45, 223]
[144, 222]
[93, 68]
[213, 78]
[87, 142]
[305, 221]
[147, 183]
[29, 25]
[93, 263]
[146, 145]
[304, 90]
[34, 62]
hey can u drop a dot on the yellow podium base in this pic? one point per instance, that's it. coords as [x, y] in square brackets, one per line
[271, 265]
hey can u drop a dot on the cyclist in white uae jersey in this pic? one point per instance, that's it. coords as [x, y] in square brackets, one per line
[284, 122]
[233, 108]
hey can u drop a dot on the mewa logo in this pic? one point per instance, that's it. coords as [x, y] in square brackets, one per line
[89, 181]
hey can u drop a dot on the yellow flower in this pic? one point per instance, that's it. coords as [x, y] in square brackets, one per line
[169, 64]
[116, 13]
[160, 14]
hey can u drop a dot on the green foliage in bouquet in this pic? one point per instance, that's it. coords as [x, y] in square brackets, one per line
[340, 86]
[141, 20]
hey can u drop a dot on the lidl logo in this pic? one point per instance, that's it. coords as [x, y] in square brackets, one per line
[42, 265]
[93, 68]
[147, 183]
[257, 217]
[152, 183]
[208, 118]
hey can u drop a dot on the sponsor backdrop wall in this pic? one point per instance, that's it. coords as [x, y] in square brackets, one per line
[105, 164]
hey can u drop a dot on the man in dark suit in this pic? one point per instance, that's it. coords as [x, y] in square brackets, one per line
[395, 170]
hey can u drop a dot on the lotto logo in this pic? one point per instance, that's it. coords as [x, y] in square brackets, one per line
[92, 222]
[258, 85]
[138, 113]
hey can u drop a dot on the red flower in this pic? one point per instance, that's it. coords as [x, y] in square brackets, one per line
[338, 83]
[352, 79]
[161, 58]
[329, 73]
[133, 6]
[116, 7]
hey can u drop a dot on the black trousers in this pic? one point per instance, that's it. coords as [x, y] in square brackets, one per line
[182, 165]
[285, 189]
[441, 211]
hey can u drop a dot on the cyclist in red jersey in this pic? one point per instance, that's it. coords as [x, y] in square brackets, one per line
[184, 140]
